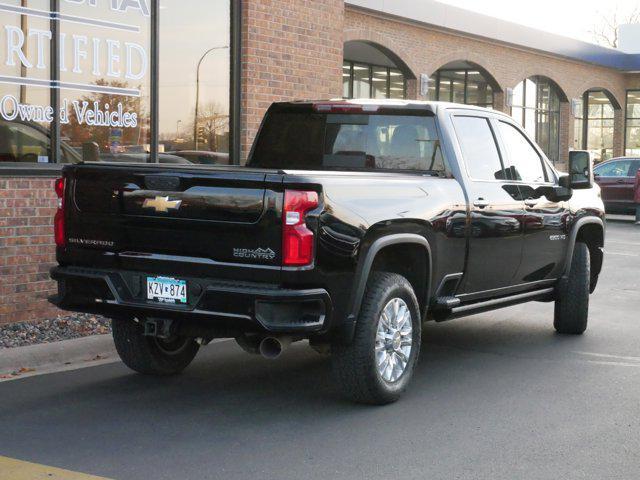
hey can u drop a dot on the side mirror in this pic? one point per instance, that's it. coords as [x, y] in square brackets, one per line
[580, 171]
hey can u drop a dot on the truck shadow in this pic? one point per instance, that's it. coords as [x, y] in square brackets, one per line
[227, 388]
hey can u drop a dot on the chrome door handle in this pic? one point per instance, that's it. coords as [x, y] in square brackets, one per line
[531, 202]
[481, 203]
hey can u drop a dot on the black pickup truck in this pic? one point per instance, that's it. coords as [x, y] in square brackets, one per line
[352, 223]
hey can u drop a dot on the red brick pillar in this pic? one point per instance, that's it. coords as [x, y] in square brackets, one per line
[566, 135]
[499, 99]
[290, 51]
[27, 250]
[413, 90]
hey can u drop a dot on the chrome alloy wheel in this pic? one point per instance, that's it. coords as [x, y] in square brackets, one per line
[394, 337]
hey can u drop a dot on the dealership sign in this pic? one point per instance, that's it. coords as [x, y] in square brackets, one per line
[93, 115]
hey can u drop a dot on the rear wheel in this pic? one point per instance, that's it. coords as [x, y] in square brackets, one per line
[152, 355]
[572, 301]
[377, 366]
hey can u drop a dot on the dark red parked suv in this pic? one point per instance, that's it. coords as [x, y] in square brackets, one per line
[616, 178]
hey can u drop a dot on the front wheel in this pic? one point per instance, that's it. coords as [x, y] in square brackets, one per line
[151, 355]
[572, 301]
[377, 366]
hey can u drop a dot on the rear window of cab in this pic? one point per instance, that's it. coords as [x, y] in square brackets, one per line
[352, 141]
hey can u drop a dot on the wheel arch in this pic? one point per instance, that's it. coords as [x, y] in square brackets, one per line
[590, 230]
[380, 253]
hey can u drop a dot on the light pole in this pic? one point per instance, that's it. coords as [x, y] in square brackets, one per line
[178, 129]
[195, 122]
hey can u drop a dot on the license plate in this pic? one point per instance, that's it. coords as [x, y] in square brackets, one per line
[166, 290]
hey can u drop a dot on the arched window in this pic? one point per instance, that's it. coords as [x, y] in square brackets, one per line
[462, 82]
[536, 106]
[632, 131]
[594, 124]
[369, 71]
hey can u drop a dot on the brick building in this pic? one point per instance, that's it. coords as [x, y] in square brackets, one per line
[155, 81]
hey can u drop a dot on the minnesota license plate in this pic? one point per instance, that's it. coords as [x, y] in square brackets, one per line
[166, 290]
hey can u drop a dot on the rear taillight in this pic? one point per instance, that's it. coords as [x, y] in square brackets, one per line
[297, 239]
[58, 221]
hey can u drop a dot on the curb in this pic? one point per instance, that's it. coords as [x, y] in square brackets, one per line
[37, 358]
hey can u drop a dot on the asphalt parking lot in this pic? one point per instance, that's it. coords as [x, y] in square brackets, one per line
[496, 396]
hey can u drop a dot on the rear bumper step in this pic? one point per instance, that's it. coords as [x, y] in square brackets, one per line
[245, 305]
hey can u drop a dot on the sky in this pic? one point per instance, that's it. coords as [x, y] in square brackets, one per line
[571, 18]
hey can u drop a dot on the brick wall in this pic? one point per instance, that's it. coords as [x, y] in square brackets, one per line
[27, 251]
[291, 49]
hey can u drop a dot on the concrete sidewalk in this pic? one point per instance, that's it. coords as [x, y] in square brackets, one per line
[33, 360]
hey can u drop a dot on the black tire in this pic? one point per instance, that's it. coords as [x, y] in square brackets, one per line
[149, 355]
[354, 365]
[572, 298]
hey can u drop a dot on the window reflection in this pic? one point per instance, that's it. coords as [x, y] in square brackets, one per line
[195, 80]
[26, 113]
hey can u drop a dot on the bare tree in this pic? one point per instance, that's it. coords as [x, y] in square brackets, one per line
[606, 32]
[215, 121]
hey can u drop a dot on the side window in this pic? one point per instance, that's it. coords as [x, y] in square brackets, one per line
[524, 163]
[634, 168]
[479, 148]
[614, 169]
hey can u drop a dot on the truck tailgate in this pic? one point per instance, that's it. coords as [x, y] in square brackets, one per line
[224, 216]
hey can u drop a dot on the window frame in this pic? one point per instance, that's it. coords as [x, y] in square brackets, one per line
[620, 160]
[533, 145]
[489, 120]
[235, 64]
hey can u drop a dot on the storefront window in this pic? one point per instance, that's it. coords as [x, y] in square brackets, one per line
[599, 115]
[467, 86]
[104, 64]
[361, 80]
[397, 84]
[632, 136]
[26, 112]
[536, 106]
[379, 82]
[87, 92]
[194, 105]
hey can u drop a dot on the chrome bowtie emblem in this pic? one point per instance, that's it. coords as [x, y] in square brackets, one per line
[162, 204]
